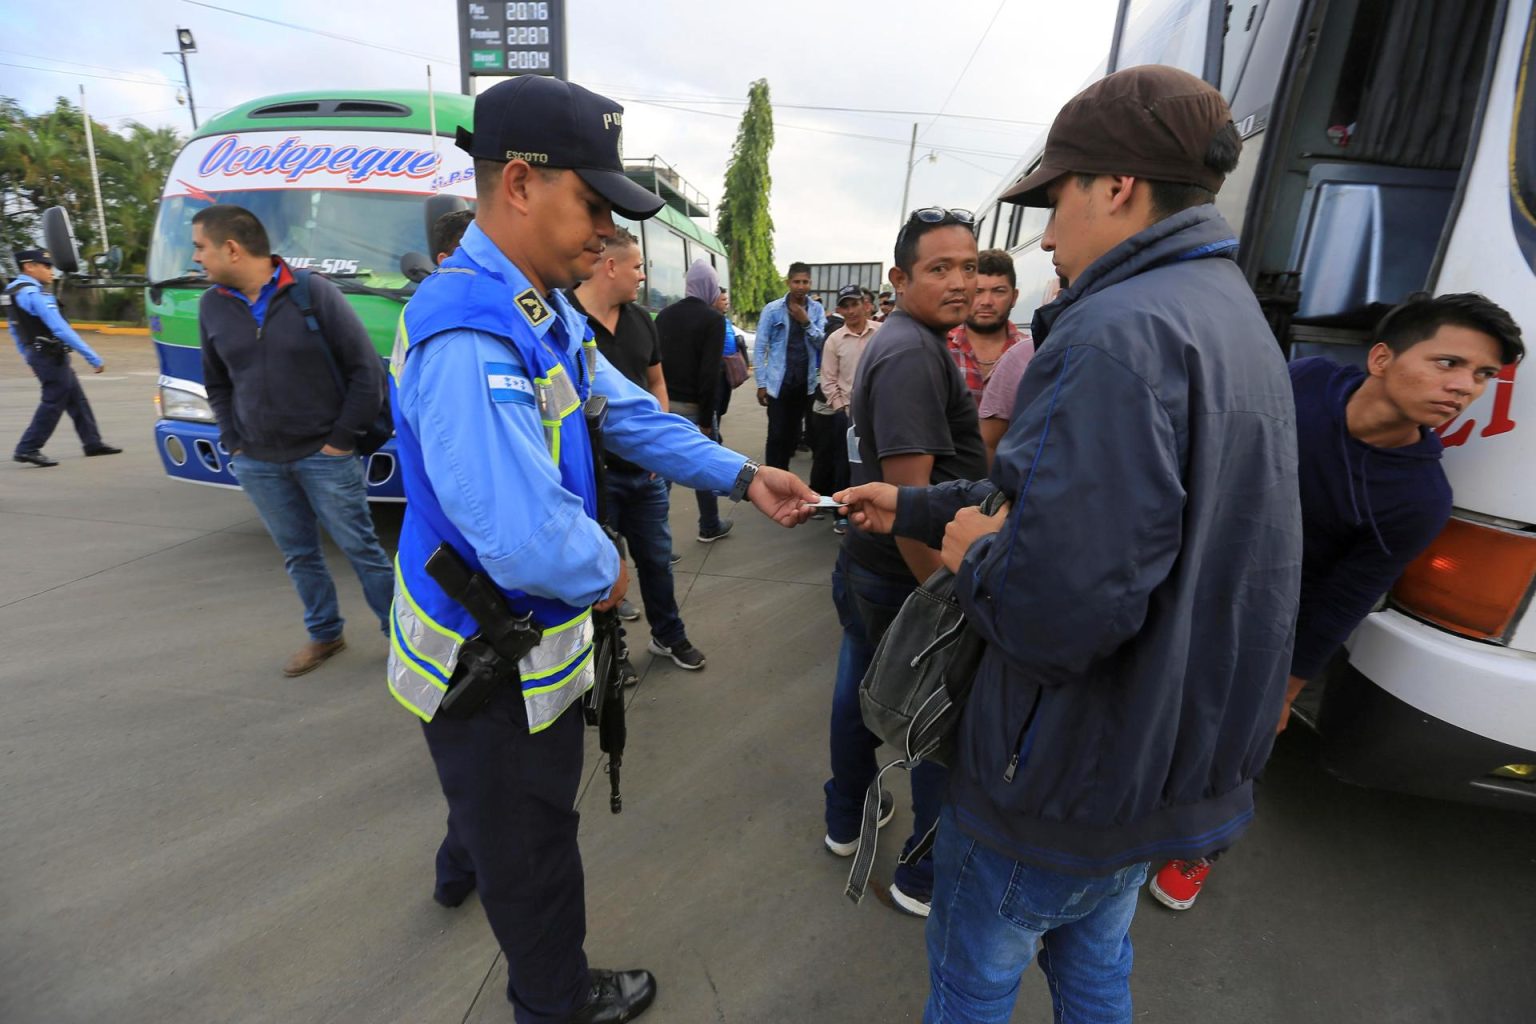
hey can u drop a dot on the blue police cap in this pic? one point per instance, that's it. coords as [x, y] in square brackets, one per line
[42, 256]
[555, 124]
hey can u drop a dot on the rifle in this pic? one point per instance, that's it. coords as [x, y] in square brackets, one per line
[604, 703]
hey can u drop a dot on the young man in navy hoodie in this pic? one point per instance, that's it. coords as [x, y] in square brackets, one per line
[1373, 494]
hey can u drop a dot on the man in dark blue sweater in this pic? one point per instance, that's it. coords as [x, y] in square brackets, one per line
[292, 404]
[1373, 494]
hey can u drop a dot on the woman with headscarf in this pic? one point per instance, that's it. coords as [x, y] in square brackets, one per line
[692, 340]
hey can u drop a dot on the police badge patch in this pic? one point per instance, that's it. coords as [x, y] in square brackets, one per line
[533, 307]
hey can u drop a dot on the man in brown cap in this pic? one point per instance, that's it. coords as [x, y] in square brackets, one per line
[1138, 592]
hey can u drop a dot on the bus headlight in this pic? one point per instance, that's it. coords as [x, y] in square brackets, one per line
[1472, 579]
[176, 404]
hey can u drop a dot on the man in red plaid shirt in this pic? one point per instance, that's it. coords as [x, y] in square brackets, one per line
[987, 333]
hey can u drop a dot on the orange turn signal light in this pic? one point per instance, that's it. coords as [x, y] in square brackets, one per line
[1472, 579]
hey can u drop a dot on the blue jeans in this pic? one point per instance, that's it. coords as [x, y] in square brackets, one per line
[866, 603]
[989, 912]
[294, 499]
[637, 509]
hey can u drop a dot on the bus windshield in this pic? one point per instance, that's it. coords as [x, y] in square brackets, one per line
[337, 232]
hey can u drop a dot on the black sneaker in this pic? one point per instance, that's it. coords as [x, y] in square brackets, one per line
[37, 458]
[684, 653]
[676, 558]
[715, 534]
[103, 449]
[627, 674]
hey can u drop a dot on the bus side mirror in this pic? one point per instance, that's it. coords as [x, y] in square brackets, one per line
[59, 237]
[109, 262]
[416, 267]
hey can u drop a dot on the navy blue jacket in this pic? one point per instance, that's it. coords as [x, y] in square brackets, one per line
[1366, 512]
[1140, 602]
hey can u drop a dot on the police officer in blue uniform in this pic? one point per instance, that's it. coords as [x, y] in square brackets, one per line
[44, 339]
[491, 369]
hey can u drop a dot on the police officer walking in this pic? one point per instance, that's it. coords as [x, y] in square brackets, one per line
[44, 339]
[491, 370]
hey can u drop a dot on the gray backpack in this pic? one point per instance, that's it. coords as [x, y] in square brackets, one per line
[913, 694]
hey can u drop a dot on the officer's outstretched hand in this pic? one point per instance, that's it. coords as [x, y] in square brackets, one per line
[99, 368]
[781, 496]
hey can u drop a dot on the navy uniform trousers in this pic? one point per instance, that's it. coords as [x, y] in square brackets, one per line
[61, 393]
[512, 830]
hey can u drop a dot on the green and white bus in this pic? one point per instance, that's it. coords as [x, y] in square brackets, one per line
[346, 184]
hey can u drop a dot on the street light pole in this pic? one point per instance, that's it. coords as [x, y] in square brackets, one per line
[907, 188]
[185, 44]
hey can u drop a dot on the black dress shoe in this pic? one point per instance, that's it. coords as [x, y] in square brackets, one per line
[36, 458]
[103, 449]
[452, 894]
[617, 996]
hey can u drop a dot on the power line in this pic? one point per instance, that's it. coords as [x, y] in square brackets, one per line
[821, 131]
[81, 64]
[832, 109]
[974, 51]
[329, 35]
[84, 74]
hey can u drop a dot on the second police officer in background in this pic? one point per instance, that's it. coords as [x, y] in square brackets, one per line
[492, 367]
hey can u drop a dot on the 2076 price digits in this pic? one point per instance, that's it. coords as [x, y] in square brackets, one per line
[528, 12]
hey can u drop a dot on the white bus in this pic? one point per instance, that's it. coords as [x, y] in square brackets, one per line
[1389, 147]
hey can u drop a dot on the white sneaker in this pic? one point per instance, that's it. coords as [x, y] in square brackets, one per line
[910, 904]
[887, 812]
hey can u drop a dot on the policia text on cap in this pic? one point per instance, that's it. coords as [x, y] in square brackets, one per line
[491, 369]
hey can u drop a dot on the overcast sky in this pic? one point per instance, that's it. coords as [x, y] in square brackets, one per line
[835, 197]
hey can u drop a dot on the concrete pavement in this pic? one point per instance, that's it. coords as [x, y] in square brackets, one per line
[187, 836]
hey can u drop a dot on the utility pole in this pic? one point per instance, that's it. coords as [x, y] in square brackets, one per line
[185, 45]
[906, 188]
[90, 148]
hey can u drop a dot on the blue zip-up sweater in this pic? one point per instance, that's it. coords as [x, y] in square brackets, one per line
[1139, 604]
[1367, 512]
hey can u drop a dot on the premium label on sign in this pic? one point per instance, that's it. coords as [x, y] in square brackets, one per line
[511, 38]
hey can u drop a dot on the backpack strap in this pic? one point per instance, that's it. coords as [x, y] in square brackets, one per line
[301, 298]
[305, 304]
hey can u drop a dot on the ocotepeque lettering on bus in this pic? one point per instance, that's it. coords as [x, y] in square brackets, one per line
[294, 159]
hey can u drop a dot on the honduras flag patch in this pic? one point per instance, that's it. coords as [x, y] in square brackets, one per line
[508, 385]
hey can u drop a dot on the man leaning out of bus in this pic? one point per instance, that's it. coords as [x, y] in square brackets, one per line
[1119, 596]
[1373, 494]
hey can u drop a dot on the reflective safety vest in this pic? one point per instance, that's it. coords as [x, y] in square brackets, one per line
[426, 626]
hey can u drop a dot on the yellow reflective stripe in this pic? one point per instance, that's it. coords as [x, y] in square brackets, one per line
[576, 621]
[442, 652]
[402, 343]
[534, 691]
[555, 652]
[545, 709]
[413, 687]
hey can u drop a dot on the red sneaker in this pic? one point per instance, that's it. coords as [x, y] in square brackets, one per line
[1179, 882]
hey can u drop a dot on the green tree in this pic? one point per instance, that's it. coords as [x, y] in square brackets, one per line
[43, 163]
[744, 224]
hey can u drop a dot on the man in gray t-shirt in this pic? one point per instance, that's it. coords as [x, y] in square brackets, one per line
[915, 423]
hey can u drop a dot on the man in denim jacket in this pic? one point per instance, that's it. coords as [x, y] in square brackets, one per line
[790, 333]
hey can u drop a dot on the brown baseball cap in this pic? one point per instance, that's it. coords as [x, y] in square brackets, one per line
[1151, 121]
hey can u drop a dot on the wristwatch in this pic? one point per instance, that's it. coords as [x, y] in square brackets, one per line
[744, 480]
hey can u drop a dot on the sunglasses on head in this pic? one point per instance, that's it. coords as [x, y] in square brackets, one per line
[939, 215]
